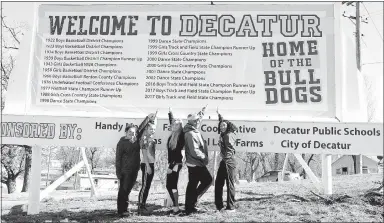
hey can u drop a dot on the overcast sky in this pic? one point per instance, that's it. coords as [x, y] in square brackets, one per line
[372, 41]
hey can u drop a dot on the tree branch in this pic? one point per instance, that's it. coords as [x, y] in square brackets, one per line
[11, 30]
[11, 47]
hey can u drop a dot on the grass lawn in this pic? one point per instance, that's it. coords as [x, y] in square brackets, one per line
[257, 202]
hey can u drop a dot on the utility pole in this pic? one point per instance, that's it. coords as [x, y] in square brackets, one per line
[358, 49]
[358, 33]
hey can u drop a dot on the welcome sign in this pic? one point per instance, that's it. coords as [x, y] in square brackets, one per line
[255, 58]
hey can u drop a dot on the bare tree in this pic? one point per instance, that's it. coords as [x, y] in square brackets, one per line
[94, 157]
[252, 161]
[276, 163]
[68, 157]
[109, 157]
[27, 167]
[12, 165]
[10, 43]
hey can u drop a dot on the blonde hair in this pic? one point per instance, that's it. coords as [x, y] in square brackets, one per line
[175, 134]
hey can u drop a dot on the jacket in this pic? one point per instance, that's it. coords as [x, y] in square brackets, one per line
[195, 146]
[128, 153]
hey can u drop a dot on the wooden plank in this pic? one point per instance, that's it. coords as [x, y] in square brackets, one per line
[61, 180]
[93, 188]
[308, 170]
[326, 162]
[284, 165]
[34, 190]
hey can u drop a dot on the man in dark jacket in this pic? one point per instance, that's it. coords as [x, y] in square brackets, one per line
[196, 153]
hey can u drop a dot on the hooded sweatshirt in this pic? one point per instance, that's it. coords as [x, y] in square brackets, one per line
[195, 146]
[127, 156]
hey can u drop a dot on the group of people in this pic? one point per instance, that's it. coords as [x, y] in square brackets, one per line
[183, 137]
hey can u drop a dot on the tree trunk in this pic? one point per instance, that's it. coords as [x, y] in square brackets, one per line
[27, 168]
[304, 174]
[276, 161]
[354, 158]
[11, 185]
[263, 163]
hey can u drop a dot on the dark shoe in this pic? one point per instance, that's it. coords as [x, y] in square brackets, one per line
[125, 214]
[220, 208]
[193, 210]
[230, 210]
[176, 212]
[143, 210]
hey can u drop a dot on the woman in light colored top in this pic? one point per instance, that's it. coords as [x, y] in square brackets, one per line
[148, 147]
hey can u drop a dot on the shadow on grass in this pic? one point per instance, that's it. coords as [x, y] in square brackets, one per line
[252, 193]
[18, 214]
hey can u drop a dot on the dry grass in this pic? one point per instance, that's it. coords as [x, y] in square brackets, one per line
[257, 202]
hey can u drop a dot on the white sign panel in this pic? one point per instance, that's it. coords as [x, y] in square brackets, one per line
[274, 137]
[255, 58]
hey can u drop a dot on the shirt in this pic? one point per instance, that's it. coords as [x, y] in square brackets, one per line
[150, 150]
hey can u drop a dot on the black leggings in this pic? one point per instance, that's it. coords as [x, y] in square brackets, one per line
[146, 183]
[172, 180]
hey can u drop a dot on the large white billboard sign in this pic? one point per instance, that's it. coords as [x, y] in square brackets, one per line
[258, 58]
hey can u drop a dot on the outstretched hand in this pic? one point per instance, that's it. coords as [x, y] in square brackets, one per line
[205, 107]
[170, 109]
[217, 110]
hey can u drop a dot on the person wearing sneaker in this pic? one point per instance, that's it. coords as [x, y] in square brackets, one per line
[226, 172]
[175, 145]
[196, 152]
[148, 146]
[128, 164]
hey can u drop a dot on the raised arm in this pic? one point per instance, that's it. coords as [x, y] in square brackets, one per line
[170, 116]
[149, 118]
[201, 113]
[220, 120]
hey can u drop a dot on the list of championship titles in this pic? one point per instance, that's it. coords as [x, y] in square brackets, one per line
[92, 70]
[180, 69]
[84, 71]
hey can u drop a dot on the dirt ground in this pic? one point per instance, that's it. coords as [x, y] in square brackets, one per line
[257, 202]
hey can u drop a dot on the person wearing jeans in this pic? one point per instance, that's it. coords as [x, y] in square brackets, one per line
[227, 169]
[196, 153]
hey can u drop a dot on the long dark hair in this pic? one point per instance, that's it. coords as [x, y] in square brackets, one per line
[230, 127]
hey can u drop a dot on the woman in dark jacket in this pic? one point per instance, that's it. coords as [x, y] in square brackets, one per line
[226, 172]
[128, 162]
[175, 145]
